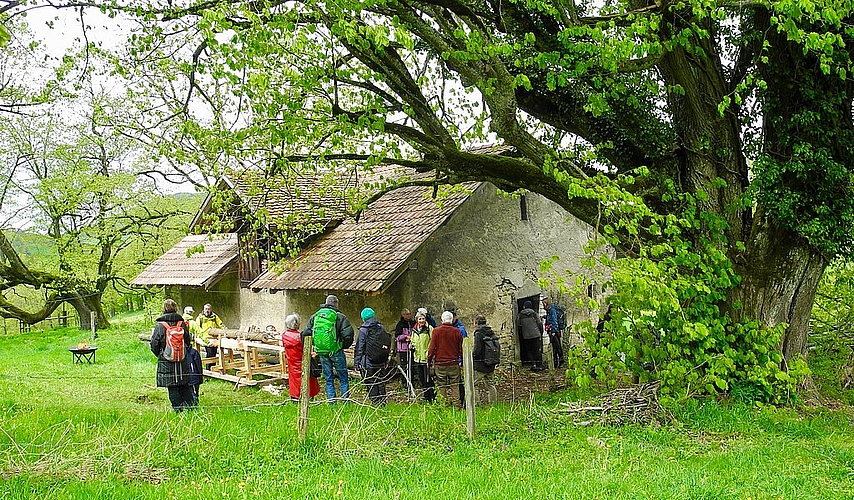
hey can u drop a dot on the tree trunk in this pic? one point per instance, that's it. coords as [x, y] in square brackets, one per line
[780, 274]
[84, 307]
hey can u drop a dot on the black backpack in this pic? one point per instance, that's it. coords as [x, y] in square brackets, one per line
[377, 344]
[561, 317]
[491, 351]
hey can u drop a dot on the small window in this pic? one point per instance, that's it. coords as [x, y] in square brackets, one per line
[523, 207]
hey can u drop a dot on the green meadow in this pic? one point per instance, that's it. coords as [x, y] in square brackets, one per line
[104, 431]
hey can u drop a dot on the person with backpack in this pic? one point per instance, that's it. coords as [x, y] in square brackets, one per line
[486, 356]
[331, 333]
[553, 328]
[530, 329]
[373, 350]
[170, 342]
[420, 344]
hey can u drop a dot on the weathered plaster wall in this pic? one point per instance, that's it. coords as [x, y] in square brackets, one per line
[223, 298]
[486, 256]
[350, 303]
[262, 308]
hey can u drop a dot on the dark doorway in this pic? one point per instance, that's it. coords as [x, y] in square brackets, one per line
[524, 355]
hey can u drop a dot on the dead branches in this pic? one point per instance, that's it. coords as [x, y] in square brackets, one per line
[627, 405]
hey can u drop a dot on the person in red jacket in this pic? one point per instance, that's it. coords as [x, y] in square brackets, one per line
[292, 342]
[444, 355]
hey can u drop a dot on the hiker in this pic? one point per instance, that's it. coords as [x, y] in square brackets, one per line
[430, 320]
[420, 344]
[207, 320]
[444, 355]
[531, 331]
[485, 357]
[196, 375]
[293, 344]
[552, 327]
[331, 333]
[373, 348]
[402, 335]
[452, 307]
[189, 318]
[170, 345]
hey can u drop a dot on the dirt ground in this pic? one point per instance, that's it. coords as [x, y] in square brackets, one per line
[515, 384]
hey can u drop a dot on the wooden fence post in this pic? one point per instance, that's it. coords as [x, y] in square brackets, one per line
[302, 421]
[92, 322]
[468, 379]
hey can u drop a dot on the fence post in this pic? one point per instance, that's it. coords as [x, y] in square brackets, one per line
[302, 422]
[468, 379]
[92, 322]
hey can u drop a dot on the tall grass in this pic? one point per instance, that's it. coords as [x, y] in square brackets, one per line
[104, 431]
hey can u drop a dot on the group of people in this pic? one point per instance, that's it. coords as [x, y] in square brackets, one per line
[429, 351]
[531, 329]
[419, 349]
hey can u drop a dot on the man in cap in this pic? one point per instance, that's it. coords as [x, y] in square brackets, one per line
[555, 335]
[375, 372]
[204, 323]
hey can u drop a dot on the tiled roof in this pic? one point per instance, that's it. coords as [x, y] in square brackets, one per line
[296, 195]
[199, 269]
[364, 255]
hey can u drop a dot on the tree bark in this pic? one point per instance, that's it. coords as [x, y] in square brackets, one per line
[84, 307]
[780, 274]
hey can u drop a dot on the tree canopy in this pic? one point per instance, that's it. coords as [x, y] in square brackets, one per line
[693, 135]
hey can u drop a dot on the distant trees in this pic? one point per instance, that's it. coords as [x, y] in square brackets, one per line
[71, 174]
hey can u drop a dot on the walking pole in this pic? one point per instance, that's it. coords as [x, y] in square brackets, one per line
[409, 371]
[408, 380]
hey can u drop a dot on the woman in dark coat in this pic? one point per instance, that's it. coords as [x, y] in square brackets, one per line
[173, 375]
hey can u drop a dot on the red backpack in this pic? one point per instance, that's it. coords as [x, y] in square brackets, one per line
[175, 349]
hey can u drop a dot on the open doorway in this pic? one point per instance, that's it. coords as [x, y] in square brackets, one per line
[525, 357]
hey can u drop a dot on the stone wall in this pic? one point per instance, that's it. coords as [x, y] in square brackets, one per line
[486, 257]
[223, 298]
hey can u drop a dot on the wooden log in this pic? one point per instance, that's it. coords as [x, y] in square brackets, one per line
[230, 333]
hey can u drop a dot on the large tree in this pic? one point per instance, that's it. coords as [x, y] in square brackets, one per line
[72, 177]
[736, 112]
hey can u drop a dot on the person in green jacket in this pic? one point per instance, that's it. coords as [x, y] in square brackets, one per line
[421, 342]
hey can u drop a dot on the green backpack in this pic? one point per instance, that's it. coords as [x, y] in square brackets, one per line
[323, 332]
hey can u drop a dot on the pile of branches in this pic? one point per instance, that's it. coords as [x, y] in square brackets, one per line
[637, 404]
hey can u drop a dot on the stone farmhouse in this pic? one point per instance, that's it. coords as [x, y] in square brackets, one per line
[476, 247]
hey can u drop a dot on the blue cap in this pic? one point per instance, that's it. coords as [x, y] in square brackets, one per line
[367, 313]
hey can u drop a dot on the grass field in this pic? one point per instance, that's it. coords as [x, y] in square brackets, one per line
[104, 431]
